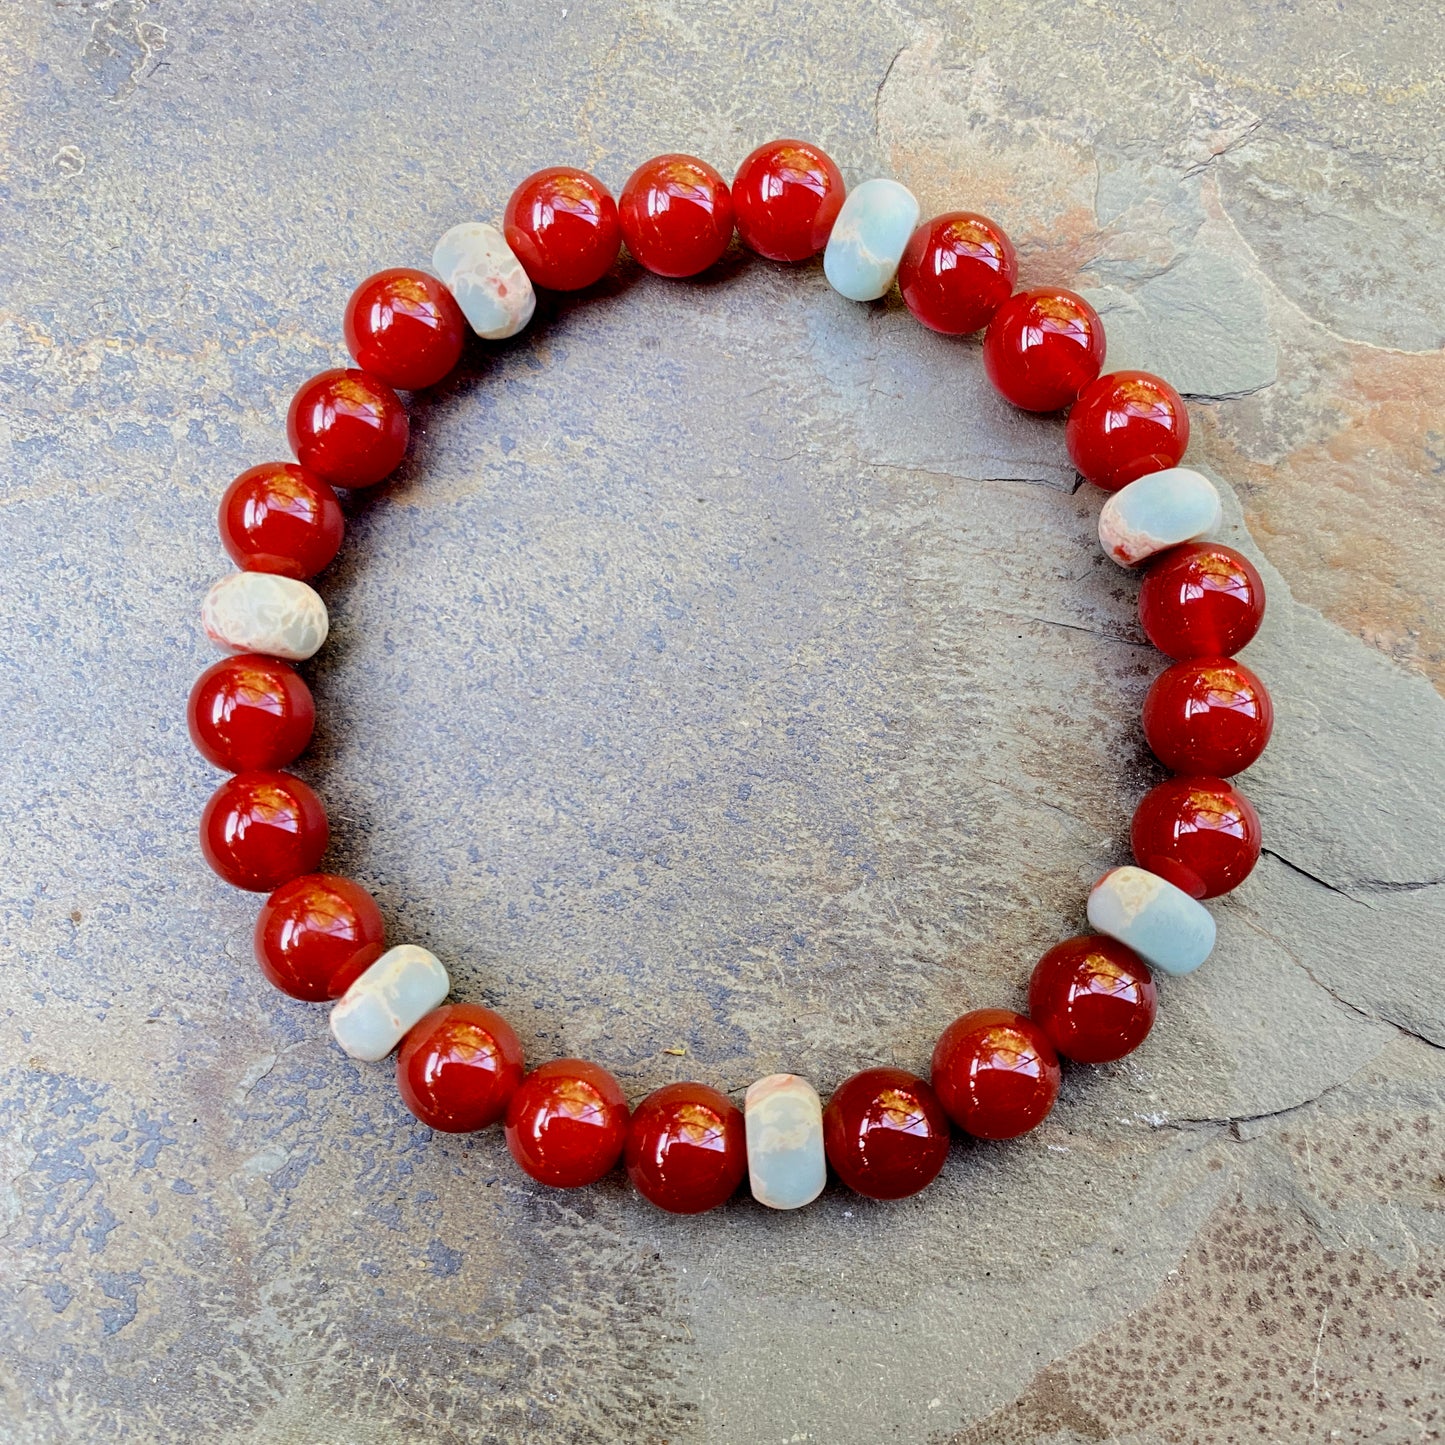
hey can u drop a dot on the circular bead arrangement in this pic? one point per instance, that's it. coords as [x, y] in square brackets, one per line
[995, 1074]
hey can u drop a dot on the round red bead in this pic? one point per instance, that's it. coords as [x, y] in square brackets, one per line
[1094, 998]
[996, 1073]
[686, 1148]
[1208, 715]
[885, 1133]
[250, 711]
[404, 327]
[787, 194]
[563, 227]
[1202, 834]
[956, 271]
[1201, 600]
[317, 934]
[677, 215]
[1043, 347]
[459, 1067]
[348, 427]
[567, 1123]
[279, 518]
[1124, 426]
[261, 829]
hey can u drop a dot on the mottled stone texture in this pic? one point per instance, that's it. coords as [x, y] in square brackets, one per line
[729, 673]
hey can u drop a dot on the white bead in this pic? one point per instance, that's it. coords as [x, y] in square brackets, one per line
[482, 272]
[868, 239]
[1157, 512]
[1167, 928]
[784, 1119]
[261, 612]
[371, 1017]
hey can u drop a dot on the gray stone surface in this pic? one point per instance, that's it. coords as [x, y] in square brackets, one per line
[728, 683]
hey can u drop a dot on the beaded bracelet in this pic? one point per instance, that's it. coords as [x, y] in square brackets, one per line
[994, 1073]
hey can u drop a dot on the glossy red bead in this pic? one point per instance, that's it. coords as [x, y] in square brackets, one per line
[677, 215]
[956, 271]
[459, 1067]
[1208, 715]
[686, 1148]
[787, 194]
[280, 518]
[996, 1073]
[1043, 347]
[260, 829]
[317, 934]
[404, 328]
[1200, 833]
[1201, 600]
[348, 427]
[885, 1133]
[567, 1123]
[1094, 998]
[250, 711]
[1124, 426]
[562, 225]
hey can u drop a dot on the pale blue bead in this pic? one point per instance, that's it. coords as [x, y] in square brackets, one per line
[784, 1124]
[1157, 512]
[479, 268]
[868, 238]
[1167, 928]
[371, 1017]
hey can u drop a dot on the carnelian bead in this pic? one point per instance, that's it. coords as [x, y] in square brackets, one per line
[885, 1133]
[1094, 997]
[317, 934]
[348, 427]
[250, 711]
[260, 829]
[996, 1073]
[404, 327]
[686, 1148]
[567, 1123]
[1202, 834]
[956, 271]
[279, 518]
[563, 227]
[1043, 347]
[1208, 715]
[1201, 600]
[458, 1068]
[787, 194]
[676, 214]
[1124, 426]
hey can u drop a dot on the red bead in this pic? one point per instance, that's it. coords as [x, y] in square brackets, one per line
[686, 1148]
[1208, 715]
[404, 327]
[1200, 833]
[995, 1073]
[250, 711]
[956, 271]
[1124, 426]
[317, 934]
[1201, 600]
[787, 195]
[567, 1123]
[279, 518]
[348, 427]
[261, 829]
[885, 1133]
[1094, 998]
[1043, 347]
[677, 215]
[459, 1067]
[562, 225]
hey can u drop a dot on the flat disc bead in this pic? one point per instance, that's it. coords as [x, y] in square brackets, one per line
[404, 327]
[1201, 600]
[1200, 833]
[266, 613]
[787, 194]
[250, 711]
[261, 829]
[1208, 715]
[677, 215]
[562, 225]
[567, 1123]
[317, 934]
[280, 518]
[956, 271]
[1094, 997]
[348, 427]
[1168, 929]
[869, 238]
[996, 1073]
[686, 1148]
[458, 1068]
[1124, 426]
[1043, 347]
[885, 1133]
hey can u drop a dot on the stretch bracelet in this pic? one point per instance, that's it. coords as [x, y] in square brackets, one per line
[995, 1073]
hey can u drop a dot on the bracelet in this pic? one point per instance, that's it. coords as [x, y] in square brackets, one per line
[995, 1074]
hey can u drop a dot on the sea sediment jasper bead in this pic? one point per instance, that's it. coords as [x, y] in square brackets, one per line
[1161, 923]
[483, 273]
[264, 612]
[869, 238]
[404, 985]
[787, 1167]
[1158, 512]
